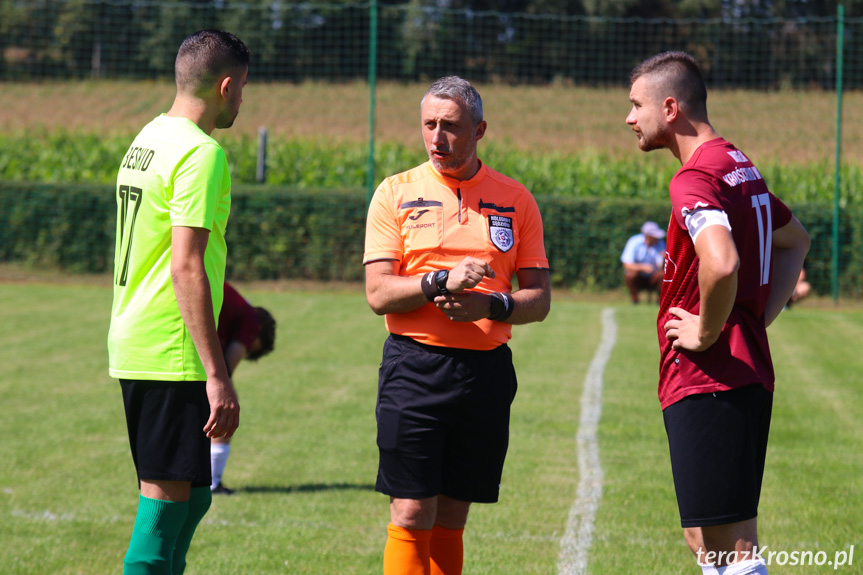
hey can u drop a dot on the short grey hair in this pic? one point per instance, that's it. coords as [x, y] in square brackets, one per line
[458, 90]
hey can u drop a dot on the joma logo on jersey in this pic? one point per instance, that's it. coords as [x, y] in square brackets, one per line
[418, 215]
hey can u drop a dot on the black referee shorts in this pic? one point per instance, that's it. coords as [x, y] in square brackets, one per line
[718, 444]
[443, 420]
[165, 420]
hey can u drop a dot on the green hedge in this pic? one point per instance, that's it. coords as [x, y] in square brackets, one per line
[61, 157]
[69, 228]
[286, 234]
[279, 233]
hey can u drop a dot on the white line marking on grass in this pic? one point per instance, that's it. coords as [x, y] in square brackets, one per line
[576, 541]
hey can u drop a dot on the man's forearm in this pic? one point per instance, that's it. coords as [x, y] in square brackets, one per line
[790, 245]
[533, 298]
[787, 264]
[718, 264]
[531, 305]
[390, 293]
[717, 300]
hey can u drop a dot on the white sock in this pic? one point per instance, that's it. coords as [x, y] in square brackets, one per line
[750, 567]
[711, 569]
[219, 453]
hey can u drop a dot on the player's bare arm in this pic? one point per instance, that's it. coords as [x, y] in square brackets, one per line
[533, 297]
[717, 284]
[388, 292]
[192, 290]
[790, 246]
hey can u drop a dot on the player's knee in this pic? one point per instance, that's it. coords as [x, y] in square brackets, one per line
[413, 513]
[694, 540]
[739, 538]
[451, 513]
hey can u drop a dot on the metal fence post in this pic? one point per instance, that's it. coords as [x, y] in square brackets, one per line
[261, 170]
[373, 65]
[840, 31]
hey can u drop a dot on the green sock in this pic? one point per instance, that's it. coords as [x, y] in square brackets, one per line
[157, 525]
[199, 502]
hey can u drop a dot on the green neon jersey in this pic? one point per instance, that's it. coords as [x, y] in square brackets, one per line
[173, 175]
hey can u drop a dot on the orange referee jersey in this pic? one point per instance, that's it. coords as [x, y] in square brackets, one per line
[427, 221]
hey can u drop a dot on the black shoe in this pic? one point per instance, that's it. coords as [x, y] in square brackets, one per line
[220, 489]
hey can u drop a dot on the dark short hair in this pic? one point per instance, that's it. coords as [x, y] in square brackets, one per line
[458, 90]
[676, 74]
[267, 335]
[207, 55]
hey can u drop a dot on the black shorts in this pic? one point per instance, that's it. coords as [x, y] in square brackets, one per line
[443, 420]
[166, 422]
[718, 443]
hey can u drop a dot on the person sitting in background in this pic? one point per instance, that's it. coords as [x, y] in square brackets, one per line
[643, 259]
[245, 332]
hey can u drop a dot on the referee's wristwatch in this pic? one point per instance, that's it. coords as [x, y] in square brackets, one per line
[440, 279]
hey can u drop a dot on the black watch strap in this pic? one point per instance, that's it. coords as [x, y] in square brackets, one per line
[440, 278]
[497, 307]
[503, 307]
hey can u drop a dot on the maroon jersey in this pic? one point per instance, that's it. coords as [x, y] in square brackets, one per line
[238, 320]
[719, 177]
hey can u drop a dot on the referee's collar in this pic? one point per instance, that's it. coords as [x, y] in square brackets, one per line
[453, 183]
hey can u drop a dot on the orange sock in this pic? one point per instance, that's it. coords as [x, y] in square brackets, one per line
[407, 551]
[447, 551]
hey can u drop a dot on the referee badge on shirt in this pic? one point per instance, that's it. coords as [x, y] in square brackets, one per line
[500, 232]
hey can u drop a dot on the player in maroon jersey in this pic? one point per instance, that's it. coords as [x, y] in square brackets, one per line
[734, 253]
[245, 332]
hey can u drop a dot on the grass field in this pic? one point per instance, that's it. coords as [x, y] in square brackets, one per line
[557, 140]
[789, 127]
[304, 459]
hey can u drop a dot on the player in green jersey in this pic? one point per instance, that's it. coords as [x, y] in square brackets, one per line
[173, 201]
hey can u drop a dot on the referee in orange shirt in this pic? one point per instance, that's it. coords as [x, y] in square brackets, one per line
[443, 243]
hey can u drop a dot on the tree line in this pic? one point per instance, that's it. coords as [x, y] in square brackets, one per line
[765, 44]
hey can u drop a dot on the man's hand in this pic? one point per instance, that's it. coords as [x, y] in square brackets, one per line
[685, 332]
[466, 306]
[461, 304]
[224, 408]
[467, 275]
